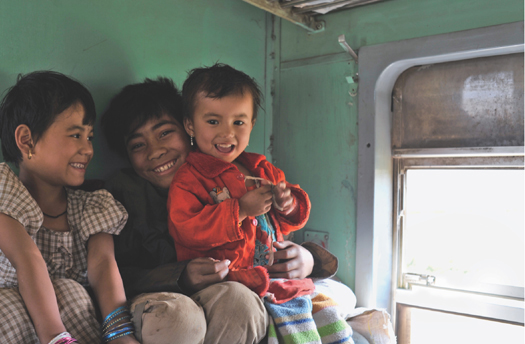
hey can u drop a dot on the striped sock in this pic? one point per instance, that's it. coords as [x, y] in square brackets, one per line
[293, 321]
[332, 328]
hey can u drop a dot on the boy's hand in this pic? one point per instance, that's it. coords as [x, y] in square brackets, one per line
[255, 202]
[283, 198]
[295, 261]
[203, 272]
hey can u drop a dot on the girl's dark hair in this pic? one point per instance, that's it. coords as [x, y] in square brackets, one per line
[218, 81]
[135, 105]
[36, 100]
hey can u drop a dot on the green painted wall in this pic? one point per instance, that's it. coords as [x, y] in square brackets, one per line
[315, 117]
[107, 44]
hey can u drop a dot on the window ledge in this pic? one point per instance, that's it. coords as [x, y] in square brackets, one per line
[478, 305]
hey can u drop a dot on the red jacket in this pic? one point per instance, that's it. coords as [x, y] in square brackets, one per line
[202, 228]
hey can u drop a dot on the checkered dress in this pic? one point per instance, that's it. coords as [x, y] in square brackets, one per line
[65, 253]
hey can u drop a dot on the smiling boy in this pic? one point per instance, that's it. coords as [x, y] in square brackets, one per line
[143, 123]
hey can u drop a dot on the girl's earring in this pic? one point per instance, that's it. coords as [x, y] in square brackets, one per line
[30, 152]
[191, 140]
[29, 142]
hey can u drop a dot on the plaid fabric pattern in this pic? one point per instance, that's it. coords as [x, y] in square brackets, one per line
[65, 253]
[76, 310]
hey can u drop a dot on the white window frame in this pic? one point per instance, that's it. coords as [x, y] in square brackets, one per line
[379, 68]
[496, 302]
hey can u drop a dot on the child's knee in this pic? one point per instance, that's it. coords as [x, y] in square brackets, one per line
[160, 317]
[235, 314]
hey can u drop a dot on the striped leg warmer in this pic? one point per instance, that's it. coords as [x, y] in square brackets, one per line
[293, 321]
[331, 326]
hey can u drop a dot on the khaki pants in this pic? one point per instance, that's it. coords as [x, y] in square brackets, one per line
[226, 313]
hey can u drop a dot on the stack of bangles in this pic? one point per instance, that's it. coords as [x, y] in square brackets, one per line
[63, 338]
[117, 324]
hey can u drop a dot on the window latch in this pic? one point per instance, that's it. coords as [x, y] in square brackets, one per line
[420, 279]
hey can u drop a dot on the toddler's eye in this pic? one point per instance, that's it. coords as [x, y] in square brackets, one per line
[90, 138]
[76, 136]
[164, 133]
[213, 121]
[239, 122]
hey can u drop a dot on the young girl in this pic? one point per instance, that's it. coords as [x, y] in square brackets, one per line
[54, 240]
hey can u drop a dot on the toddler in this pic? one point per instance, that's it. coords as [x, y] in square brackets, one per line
[225, 203]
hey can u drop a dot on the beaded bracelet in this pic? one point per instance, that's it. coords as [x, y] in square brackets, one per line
[115, 326]
[121, 326]
[121, 335]
[63, 338]
[115, 334]
[113, 314]
[107, 326]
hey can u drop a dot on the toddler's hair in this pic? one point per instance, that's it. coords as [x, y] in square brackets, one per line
[135, 105]
[36, 100]
[218, 81]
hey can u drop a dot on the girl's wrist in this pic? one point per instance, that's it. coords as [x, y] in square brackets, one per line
[63, 338]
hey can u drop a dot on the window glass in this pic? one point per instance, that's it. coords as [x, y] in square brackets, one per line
[465, 227]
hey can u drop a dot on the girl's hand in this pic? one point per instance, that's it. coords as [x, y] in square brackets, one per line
[283, 198]
[203, 272]
[255, 202]
[295, 261]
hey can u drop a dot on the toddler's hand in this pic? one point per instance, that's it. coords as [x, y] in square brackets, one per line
[255, 202]
[283, 198]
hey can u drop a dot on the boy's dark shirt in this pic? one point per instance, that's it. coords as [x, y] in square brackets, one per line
[144, 250]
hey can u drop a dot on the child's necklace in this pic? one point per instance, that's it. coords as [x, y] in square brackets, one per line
[57, 216]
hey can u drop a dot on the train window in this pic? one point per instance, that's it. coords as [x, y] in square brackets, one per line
[457, 144]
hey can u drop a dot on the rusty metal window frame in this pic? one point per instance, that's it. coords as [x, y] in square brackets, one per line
[428, 112]
[379, 68]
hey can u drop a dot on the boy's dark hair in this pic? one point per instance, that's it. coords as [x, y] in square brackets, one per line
[36, 100]
[135, 105]
[218, 81]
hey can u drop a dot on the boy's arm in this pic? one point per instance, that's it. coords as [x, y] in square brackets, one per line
[163, 278]
[185, 277]
[34, 283]
[104, 278]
